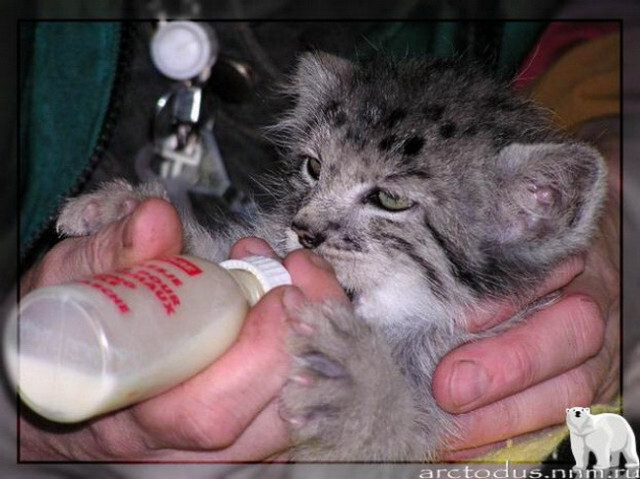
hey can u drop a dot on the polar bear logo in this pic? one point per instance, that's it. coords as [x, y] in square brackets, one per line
[606, 435]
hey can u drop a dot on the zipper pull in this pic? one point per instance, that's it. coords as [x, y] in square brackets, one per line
[184, 153]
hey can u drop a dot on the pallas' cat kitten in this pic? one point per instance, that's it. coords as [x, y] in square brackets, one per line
[430, 188]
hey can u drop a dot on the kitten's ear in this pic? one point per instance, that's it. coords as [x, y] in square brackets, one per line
[549, 193]
[319, 73]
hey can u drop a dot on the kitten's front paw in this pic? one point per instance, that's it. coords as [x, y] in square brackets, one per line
[87, 214]
[346, 400]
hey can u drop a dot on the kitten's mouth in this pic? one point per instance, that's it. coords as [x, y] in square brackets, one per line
[334, 260]
[337, 261]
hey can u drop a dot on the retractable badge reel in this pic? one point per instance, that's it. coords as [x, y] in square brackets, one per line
[184, 153]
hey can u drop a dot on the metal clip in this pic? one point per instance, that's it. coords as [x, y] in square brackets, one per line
[185, 102]
[184, 153]
[182, 161]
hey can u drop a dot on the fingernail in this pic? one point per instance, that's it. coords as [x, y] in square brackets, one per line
[468, 383]
[257, 248]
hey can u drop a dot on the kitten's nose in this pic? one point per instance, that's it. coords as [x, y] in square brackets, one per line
[306, 237]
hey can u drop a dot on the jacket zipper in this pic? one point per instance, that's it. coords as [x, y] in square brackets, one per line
[125, 52]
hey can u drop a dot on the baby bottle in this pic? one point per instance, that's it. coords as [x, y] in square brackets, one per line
[95, 345]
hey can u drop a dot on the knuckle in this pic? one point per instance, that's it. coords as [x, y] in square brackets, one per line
[114, 439]
[210, 429]
[587, 326]
[579, 387]
[186, 429]
[512, 413]
[524, 365]
[225, 436]
[601, 375]
[97, 256]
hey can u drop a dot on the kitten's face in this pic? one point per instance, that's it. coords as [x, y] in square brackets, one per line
[364, 209]
[426, 187]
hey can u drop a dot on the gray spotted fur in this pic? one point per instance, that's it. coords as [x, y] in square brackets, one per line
[499, 197]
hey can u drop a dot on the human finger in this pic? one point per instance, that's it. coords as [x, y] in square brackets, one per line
[552, 341]
[152, 230]
[251, 246]
[533, 409]
[211, 410]
[264, 439]
[314, 276]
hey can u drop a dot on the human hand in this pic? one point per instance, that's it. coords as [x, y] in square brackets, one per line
[151, 231]
[225, 413]
[565, 355]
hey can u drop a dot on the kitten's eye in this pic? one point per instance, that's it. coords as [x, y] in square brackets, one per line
[312, 167]
[387, 201]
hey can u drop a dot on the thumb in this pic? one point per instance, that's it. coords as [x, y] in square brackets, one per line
[152, 230]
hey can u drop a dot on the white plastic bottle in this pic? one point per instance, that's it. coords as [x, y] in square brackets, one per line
[81, 349]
